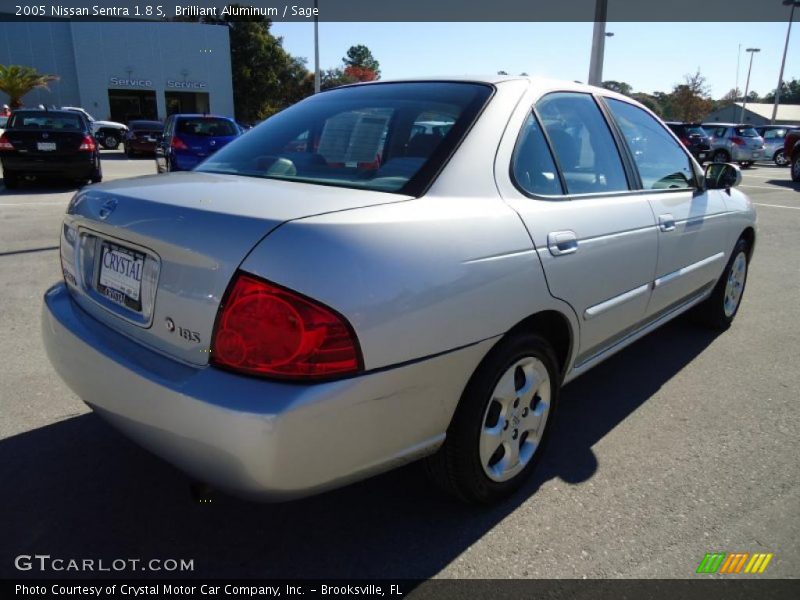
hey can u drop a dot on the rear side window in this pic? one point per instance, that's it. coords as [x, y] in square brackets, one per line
[583, 144]
[206, 127]
[532, 166]
[747, 132]
[661, 161]
[774, 134]
[43, 120]
[390, 137]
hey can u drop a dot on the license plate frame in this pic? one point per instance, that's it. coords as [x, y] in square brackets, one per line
[116, 278]
[46, 146]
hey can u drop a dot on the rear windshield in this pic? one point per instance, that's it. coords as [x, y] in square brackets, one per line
[746, 132]
[145, 125]
[44, 120]
[696, 130]
[206, 127]
[390, 137]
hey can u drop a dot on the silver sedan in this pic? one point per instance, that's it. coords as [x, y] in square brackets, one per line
[386, 272]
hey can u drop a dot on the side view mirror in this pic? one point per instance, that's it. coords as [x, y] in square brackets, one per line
[722, 176]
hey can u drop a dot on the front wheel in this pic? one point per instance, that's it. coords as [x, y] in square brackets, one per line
[502, 422]
[719, 310]
[780, 159]
[746, 164]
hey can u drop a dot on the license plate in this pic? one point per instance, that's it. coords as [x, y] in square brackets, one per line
[150, 139]
[120, 278]
[702, 155]
[45, 146]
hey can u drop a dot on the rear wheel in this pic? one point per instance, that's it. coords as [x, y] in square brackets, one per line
[110, 141]
[502, 422]
[780, 159]
[129, 151]
[10, 180]
[721, 156]
[719, 310]
[796, 167]
[746, 164]
[97, 175]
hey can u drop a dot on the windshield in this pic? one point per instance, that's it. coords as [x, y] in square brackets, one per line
[45, 120]
[389, 137]
[206, 127]
[748, 132]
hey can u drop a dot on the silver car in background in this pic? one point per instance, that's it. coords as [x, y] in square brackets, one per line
[774, 136]
[735, 143]
[346, 289]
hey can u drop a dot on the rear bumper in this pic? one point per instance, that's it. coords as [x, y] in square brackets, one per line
[185, 162]
[255, 438]
[747, 154]
[81, 167]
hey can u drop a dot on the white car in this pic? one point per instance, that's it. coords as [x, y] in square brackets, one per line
[344, 290]
[109, 133]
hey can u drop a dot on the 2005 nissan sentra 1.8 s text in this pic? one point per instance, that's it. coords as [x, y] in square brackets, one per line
[386, 272]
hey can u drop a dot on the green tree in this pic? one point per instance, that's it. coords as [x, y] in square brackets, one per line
[266, 78]
[359, 60]
[790, 93]
[17, 80]
[618, 86]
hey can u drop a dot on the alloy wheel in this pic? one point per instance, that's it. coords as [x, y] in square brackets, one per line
[515, 419]
[735, 284]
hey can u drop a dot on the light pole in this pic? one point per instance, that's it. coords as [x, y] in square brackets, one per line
[794, 4]
[316, 48]
[752, 52]
[598, 43]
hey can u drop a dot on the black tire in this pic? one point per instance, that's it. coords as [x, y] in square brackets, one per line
[457, 467]
[721, 156]
[796, 167]
[97, 175]
[129, 151]
[746, 164]
[110, 141]
[712, 312]
[10, 180]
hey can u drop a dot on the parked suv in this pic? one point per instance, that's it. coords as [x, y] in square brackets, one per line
[734, 143]
[791, 149]
[694, 137]
[344, 289]
[109, 133]
[774, 136]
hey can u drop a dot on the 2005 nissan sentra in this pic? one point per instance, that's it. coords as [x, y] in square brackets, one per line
[348, 287]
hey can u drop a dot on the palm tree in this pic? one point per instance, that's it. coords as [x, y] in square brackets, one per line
[16, 81]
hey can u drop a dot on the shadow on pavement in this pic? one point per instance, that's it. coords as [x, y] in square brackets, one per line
[785, 183]
[77, 489]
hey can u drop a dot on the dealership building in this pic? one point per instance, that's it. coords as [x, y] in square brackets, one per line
[123, 71]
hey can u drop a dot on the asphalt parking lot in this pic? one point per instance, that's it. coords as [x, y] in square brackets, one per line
[684, 443]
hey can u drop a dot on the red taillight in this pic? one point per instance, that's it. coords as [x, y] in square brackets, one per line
[178, 144]
[738, 141]
[4, 143]
[263, 329]
[686, 141]
[88, 145]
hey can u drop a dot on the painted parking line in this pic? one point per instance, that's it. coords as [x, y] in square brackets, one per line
[774, 188]
[777, 206]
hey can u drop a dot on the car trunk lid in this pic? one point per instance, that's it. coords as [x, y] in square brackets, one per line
[179, 239]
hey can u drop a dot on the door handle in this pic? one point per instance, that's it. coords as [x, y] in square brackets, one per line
[666, 223]
[562, 242]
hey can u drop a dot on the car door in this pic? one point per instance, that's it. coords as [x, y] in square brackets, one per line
[595, 238]
[692, 221]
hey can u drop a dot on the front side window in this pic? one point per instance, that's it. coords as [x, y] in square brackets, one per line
[660, 160]
[774, 134]
[747, 132]
[532, 165]
[582, 142]
[390, 137]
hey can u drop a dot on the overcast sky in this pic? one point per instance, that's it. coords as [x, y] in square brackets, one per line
[649, 56]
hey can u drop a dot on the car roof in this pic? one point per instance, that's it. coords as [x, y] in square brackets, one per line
[48, 111]
[200, 116]
[729, 124]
